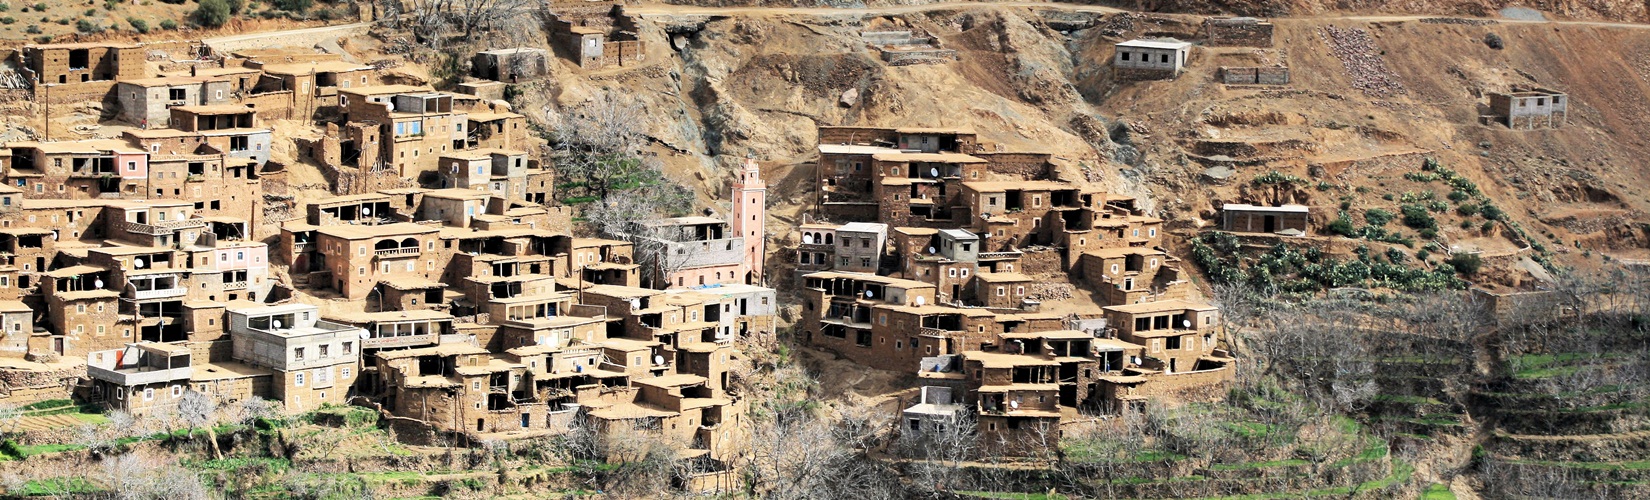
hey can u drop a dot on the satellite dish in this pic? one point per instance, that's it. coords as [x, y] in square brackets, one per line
[138, 263]
[98, 283]
[930, 250]
[366, 211]
[921, 300]
[1015, 404]
[277, 323]
[635, 304]
[389, 106]
[868, 294]
[365, 335]
[985, 235]
[934, 172]
[807, 239]
[54, 235]
[1186, 323]
[658, 360]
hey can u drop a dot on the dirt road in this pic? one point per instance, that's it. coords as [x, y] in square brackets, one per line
[687, 10]
[284, 38]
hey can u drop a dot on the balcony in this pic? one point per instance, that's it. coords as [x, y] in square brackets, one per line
[300, 247]
[163, 227]
[140, 376]
[159, 293]
[396, 252]
[999, 255]
[401, 341]
[235, 285]
[933, 333]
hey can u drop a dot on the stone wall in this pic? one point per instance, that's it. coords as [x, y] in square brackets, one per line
[1272, 75]
[1020, 166]
[623, 53]
[1037, 261]
[1237, 34]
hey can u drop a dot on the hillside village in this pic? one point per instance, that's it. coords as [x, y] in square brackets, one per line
[332, 232]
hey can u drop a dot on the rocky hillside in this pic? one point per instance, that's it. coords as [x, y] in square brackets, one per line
[1369, 103]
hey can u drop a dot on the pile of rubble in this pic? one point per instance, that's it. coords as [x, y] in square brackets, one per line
[1051, 289]
[1460, 21]
[1357, 51]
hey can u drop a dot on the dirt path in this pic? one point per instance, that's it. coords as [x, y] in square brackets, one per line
[284, 38]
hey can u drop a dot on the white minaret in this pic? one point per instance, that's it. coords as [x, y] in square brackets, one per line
[750, 216]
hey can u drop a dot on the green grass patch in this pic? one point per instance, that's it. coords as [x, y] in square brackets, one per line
[1085, 452]
[1376, 450]
[58, 486]
[1437, 492]
[47, 405]
[1259, 465]
[1607, 466]
[1414, 400]
[1011, 496]
[1539, 366]
[13, 451]
[239, 463]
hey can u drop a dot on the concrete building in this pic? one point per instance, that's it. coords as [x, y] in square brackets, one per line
[147, 102]
[1150, 59]
[692, 251]
[1245, 218]
[315, 362]
[1527, 109]
[860, 246]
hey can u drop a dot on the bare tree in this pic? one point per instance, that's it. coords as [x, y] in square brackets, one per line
[150, 475]
[198, 410]
[10, 416]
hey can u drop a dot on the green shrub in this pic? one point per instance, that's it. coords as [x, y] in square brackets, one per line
[168, 24]
[1466, 263]
[1492, 212]
[1437, 206]
[1342, 226]
[236, 6]
[90, 12]
[294, 5]
[43, 39]
[1429, 233]
[1378, 217]
[1487, 226]
[5, 7]
[1422, 254]
[8, 20]
[1418, 217]
[212, 13]
[138, 25]
[88, 26]
[1467, 209]
[40, 7]
[63, 21]
[1458, 196]
[33, 29]
[1276, 177]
